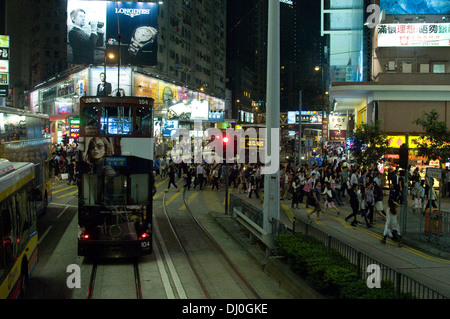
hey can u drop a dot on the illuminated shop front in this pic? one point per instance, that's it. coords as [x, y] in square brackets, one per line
[175, 106]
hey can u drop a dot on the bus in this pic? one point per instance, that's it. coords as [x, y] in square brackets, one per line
[18, 230]
[25, 137]
[115, 165]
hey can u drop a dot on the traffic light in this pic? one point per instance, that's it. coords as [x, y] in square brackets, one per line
[65, 139]
[403, 162]
[231, 154]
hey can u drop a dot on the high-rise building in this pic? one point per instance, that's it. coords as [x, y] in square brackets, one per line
[405, 70]
[191, 43]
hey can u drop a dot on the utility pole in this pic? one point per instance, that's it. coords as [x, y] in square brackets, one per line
[271, 210]
[300, 98]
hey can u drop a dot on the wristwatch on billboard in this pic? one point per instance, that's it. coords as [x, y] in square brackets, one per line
[141, 37]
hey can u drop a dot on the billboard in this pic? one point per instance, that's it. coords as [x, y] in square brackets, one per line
[308, 117]
[4, 65]
[413, 35]
[415, 6]
[188, 110]
[169, 127]
[101, 85]
[93, 28]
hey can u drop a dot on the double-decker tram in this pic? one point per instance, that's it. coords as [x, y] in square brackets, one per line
[25, 137]
[116, 177]
[18, 230]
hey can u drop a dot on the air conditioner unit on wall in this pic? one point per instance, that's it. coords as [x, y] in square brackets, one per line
[406, 67]
[424, 68]
[391, 66]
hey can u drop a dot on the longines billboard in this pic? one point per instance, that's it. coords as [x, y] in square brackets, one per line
[93, 28]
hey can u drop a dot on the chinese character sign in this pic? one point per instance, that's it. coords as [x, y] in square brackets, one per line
[337, 127]
[413, 35]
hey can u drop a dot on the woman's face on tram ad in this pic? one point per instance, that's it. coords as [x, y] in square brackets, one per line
[96, 149]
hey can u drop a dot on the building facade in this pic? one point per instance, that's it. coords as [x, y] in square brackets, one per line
[409, 71]
[191, 44]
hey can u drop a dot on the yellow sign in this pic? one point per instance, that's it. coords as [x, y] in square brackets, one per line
[395, 141]
[4, 41]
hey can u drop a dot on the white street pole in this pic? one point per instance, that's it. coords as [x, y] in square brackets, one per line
[272, 180]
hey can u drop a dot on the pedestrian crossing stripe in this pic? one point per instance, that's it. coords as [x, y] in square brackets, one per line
[183, 207]
[63, 189]
[68, 194]
[288, 212]
[172, 198]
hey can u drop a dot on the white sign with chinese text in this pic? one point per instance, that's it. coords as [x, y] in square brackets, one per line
[413, 35]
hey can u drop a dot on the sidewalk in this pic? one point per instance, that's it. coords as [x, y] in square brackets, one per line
[414, 259]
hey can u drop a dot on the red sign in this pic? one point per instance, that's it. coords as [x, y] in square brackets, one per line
[325, 129]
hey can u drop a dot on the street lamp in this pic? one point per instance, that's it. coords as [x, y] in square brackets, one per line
[111, 56]
[317, 69]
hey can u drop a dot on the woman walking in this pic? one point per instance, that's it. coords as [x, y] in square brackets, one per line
[354, 203]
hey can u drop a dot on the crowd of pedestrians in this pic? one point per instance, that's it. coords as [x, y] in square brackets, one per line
[335, 181]
[64, 161]
[244, 178]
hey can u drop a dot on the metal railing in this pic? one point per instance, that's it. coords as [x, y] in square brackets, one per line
[430, 228]
[402, 283]
[359, 260]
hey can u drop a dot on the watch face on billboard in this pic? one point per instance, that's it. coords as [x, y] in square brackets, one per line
[93, 28]
[138, 23]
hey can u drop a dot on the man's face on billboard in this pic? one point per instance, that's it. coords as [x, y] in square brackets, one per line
[80, 19]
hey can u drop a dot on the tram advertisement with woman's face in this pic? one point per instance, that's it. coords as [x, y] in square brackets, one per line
[106, 155]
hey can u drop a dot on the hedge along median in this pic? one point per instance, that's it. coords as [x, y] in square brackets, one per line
[328, 271]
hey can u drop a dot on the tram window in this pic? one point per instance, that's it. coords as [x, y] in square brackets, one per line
[89, 120]
[45, 127]
[116, 121]
[143, 121]
[90, 189]
[12, 127]
[139, 189]
[115, 190]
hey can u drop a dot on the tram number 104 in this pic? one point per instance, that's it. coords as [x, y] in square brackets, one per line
[145, 244]
[143, 102]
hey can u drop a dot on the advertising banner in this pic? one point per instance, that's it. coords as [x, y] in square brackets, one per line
[101, 85]
[146, 86]
[337, 126]
[308, 117]
[4, 65]
[138, 22]
[169, 127]
[215, 116]
[325, 130]
[415, 6]
[94, 26]
[413, 35]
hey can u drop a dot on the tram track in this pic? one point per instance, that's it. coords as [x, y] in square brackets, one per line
[109, 276]
[205, 256]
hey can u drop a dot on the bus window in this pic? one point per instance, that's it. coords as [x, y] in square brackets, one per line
[143, 121]
[6, 256]
[89, 120]
[116, 121]
[8, 235]
[139, 189]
